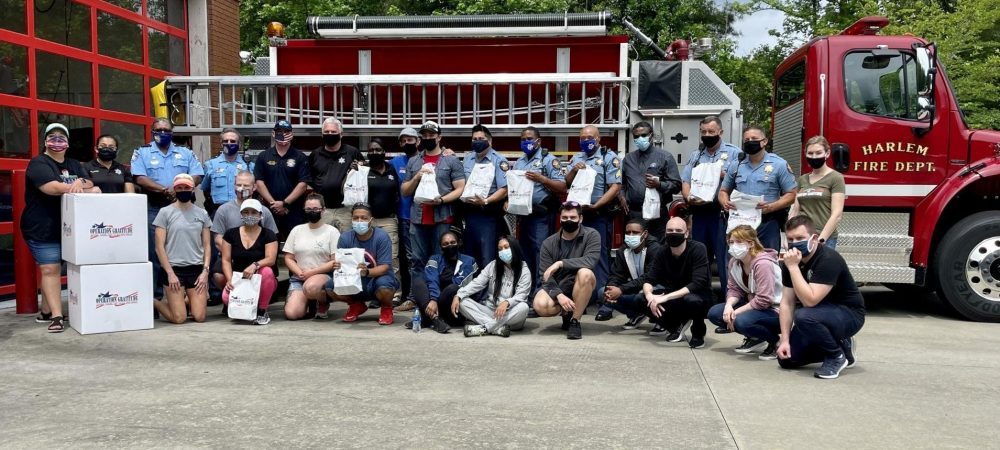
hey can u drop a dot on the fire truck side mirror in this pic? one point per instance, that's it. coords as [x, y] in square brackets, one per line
[841, 157]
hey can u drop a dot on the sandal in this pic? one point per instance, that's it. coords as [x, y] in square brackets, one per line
[56, 325]
[43, 317]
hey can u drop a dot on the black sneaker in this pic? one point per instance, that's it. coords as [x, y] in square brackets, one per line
[658, 330]
[770, 353]
[440, 326]
[408, 325]
[567, 318]
[634, 323]
[575, 331]
[603, 315]
[722, 330]
[849, 345]
[751, 345]
[678, 336]
[374, 304]
[831, 367]
[696, 342]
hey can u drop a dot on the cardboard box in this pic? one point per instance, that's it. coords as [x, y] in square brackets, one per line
[104, 229]
[106, 298]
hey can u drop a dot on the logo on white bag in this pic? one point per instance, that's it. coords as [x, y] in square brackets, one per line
[110, 231]
[109, 299]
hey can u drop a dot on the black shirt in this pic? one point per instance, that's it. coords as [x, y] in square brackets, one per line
[110, 180]
[689, 270]
[243, 257]
[282, 173]
[447, 274]
[329, 171]
[41, 219]
[383, 192]
[828, 267]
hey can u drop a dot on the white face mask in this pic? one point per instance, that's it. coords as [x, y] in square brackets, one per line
[739, 250]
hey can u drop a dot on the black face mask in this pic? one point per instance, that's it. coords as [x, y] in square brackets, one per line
[450, 251]
[709, 141]
[816, 163]
[376, 159]
[184, 196]
[410, 149]
[752, 147]
[107, 154]
[331, 140]
[428, 144]
[314, 216]
[570, 226]
[675, 239]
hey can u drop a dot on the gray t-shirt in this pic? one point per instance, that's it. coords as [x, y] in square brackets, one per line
[228, 217]
[447, 170]
[184, 245]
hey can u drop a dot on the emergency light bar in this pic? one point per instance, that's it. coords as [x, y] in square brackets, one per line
[481, 25]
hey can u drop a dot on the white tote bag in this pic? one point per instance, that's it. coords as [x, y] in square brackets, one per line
[705, 179]
[583, 186]
[479, 182]
[427, 190]
[356, 186]
[347, 279]
[244, 296]
[519, 193]
[651, 204]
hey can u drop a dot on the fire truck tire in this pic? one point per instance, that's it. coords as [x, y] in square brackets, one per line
[967, 265]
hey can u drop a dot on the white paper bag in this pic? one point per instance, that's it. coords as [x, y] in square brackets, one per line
[651, 204]
[746, 212]
[705, 179]
[583, 186]
[480, 181]
[347, 279]
[519, 193]
[243, 298]
[427, 189]
[356, 186]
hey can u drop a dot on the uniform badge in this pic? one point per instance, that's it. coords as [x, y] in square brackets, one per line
[600, 162]
[652, 166]
[177, 156]
[615, 162]
[724, 156]
[341, 160]
[290, 163]
[505, 166]
[118, 171]
[155, 162]
[220, 170]
[768, 168]
[556, 164]
[271, 163]
[392, 178]
[539, 163]
[239, 167]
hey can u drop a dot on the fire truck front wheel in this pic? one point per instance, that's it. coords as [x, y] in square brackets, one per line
[967, 265]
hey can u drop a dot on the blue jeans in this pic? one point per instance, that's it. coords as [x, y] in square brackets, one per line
[480, 237]
[425, 241]
[709, 229]
[603, 227]
[532, 231]
[151, 212]
[817, 332]
[46, 252]
[629, 304]
[404, 256]
[831, 243]
[769, 233]
[752, 323]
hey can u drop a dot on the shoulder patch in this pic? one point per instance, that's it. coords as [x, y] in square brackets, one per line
[616, 162]
[556, 164]
[432, 263]
[619, 173]
[504, 166]
[789, 169]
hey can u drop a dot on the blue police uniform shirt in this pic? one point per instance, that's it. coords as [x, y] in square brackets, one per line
[771, 178]
[500, 167]
[607, 166]
[405, 202]
[545, 164]
[162, 167]
[220, 178]
[726, 152]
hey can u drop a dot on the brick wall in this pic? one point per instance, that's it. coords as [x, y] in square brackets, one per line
[223, 48]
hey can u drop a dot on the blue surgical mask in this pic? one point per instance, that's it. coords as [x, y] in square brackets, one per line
[528, 147]
[803, 246]
[633, 240]
[506, 255]
[360, 227]
[162, 138]
[588, 146]
[231, 149]
[480, 146]
[641, 143]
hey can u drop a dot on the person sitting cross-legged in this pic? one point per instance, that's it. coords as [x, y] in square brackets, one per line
[444, 274]
[504, 306]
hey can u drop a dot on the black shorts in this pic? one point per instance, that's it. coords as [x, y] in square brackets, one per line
[565, 285]
[188, 275]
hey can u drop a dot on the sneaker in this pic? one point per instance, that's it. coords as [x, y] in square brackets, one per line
[503, 331]
[474, 330]
[322, 311]
[831, 367]
[263, 319]
[678, 335]
[658, 330]
[575, 331]
[849, 345]
[374, 304]
[566, 318]
[770, 353]
[406, 306]
[634, 322]
[603, 315]
[408, 325]
[751, 345]
[440, 326]
[56, 325]
[353, 311]
[696, 342]
[722, 330]
[385, 316]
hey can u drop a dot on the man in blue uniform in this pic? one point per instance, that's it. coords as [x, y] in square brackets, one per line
[604, 199]
[154, 167]
[707, 224]
[766, 174]
[546, 172]
[483, 214]
[220, 172]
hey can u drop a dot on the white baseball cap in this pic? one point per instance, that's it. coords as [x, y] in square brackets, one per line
[252, 204]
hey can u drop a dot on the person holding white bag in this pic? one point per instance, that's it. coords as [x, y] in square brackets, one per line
[377, 280]
[309, 256]
[484, 194]
[252, 249]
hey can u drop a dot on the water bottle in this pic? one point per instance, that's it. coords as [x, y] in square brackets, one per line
[417, 321]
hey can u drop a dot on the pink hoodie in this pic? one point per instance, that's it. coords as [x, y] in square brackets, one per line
[764, 289]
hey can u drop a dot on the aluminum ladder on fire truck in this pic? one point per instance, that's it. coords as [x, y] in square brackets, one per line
[558, 104]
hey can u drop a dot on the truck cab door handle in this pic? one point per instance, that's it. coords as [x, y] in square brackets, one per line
[841, 157]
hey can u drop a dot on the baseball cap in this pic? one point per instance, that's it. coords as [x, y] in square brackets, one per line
[409, 131]
[252, 204]
[56, 126]
[282, 125]
[183, 179]
[431, 126]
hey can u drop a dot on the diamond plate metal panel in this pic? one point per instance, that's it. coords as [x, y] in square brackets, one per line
[875, 242]
[262, 66]
[701, 90]
[881, 257]
[881, 274]
[787, 139]
[874, 224]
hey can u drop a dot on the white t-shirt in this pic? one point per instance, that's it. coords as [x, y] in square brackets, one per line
[312, 247]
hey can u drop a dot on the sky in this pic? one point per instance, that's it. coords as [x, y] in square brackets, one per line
[752, 30]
